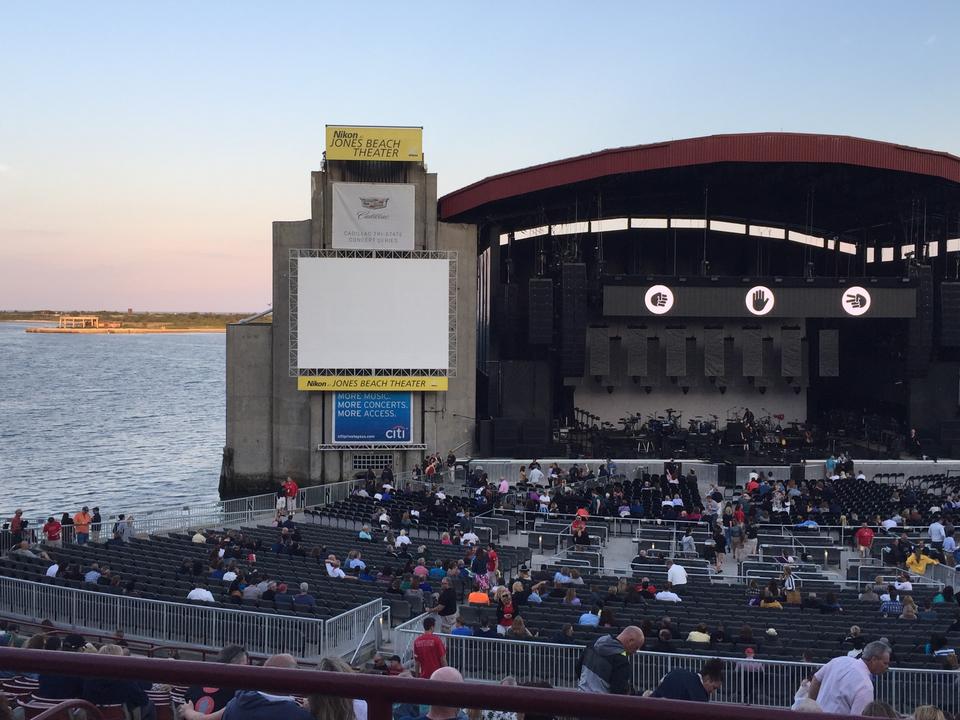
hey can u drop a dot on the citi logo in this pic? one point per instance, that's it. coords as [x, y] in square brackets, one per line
[397, 432]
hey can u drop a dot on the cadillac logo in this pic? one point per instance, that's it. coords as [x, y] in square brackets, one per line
[374, 203]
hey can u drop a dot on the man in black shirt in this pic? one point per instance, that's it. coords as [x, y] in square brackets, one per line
[683, 684]
[446, 606]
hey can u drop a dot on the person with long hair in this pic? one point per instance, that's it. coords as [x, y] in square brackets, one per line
[332, 707]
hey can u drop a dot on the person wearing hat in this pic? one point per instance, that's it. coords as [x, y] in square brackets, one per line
[81, 524]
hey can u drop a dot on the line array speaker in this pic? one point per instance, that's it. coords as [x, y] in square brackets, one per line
[830, 353]
[598, 339]
[573, 322]
[540, 311]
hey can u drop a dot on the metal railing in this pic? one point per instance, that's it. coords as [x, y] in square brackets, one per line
[161, 621]
[749, 681]
[343, 632]
[380, 693]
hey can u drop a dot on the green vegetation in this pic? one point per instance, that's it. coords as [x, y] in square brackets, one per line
[170, 321]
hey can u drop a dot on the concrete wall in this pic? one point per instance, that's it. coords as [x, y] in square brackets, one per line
[249, 401]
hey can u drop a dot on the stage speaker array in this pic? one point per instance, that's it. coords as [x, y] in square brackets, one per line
[791, 358]
[635, 343]
[676, 341]
[598, 338]
[713, 355]
[512, 312]
[752, 352]
[573, 320]
[920, 330]
[540, 315]
[830, 353]
[950, 314]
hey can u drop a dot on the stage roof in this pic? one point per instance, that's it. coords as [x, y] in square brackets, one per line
[837, 183]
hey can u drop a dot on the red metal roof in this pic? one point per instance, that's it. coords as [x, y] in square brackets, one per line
[748, 148]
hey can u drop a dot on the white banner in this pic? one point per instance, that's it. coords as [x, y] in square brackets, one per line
[373, 216]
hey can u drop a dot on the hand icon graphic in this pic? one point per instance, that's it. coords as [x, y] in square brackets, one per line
[659, 299]
[760, 300]
[856, 300]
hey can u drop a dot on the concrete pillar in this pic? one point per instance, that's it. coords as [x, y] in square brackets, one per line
[291, 407]
[249, 388]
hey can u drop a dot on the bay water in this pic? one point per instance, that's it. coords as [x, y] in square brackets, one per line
[128, 423]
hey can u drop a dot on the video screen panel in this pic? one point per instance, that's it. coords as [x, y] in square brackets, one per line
[373, 313]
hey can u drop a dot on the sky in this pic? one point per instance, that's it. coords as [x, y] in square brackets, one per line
[145, 148]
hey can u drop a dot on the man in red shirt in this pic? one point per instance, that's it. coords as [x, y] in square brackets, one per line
[292, 490]
[16, 527]
[493, 564]
[429, 652]
[864, 538]
[51, 531]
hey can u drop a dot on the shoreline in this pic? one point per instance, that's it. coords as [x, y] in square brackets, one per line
[121, 331]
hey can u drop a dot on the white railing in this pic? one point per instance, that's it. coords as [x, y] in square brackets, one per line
[342, 632]
[756, 682]
[161, 622]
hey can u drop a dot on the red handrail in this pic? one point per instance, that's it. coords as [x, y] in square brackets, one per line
[93, 712]
[381, 692]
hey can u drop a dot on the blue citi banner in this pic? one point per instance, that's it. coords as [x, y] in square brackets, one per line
[373, 417]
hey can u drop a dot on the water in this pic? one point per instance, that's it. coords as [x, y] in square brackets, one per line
[125, 422]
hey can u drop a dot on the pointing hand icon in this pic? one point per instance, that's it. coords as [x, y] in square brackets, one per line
[659, 299]
[856, 300]
[760, 300]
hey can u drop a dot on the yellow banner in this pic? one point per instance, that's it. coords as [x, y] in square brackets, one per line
[384, 383]
[393, 144]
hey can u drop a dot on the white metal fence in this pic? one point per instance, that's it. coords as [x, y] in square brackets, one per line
[173, 623]
[161, 622]
[756, 682]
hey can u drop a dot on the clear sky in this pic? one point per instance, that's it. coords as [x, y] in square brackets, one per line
[145, 148]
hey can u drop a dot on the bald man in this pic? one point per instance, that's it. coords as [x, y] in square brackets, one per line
[605, 665]
[254, 705]
[439, 712]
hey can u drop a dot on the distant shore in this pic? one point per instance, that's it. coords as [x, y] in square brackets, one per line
[112, 322]
[122, 331]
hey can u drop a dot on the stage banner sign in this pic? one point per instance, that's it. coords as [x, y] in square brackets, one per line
[373, 216]
[380, 383]
[379, 418]
[391, 144]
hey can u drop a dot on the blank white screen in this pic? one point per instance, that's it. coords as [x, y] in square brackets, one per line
[372, 313]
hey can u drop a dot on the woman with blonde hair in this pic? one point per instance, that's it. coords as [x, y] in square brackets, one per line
[571, 597]
[519, 631]
[909, 608]
[332, 707]
[928, 712]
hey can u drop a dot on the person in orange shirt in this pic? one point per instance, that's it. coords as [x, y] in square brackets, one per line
[81, 525]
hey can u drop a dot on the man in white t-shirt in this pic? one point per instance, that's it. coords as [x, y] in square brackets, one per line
[333, 567]
[668, 595]
[676, 576]
[535, 476]
[469, 538]
[844, 685]
[401, 540]
[903, 583]
[200, 593]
